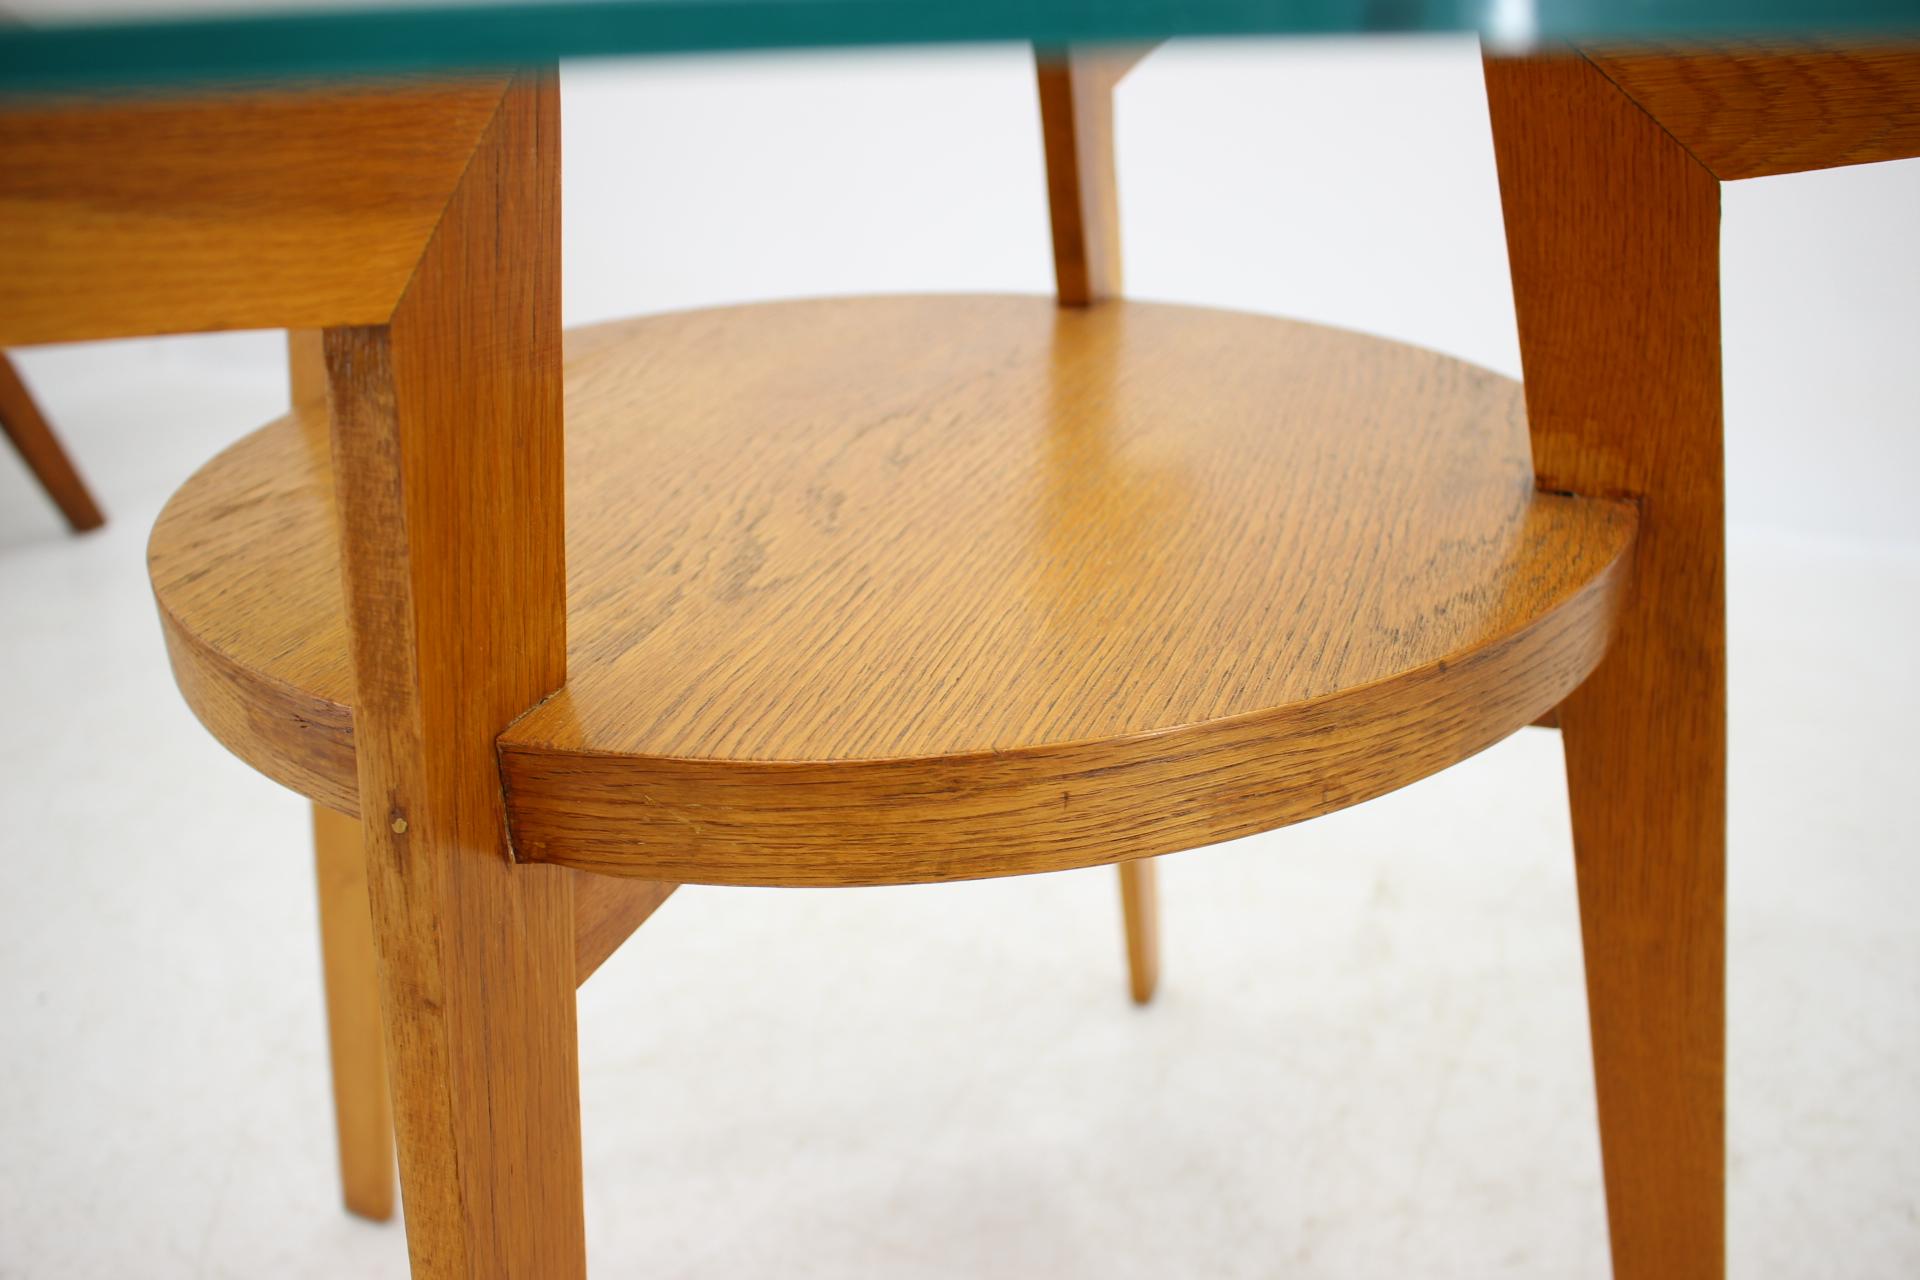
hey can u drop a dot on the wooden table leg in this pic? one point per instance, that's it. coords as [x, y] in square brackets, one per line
[1613, 236]
[1083, 200]
[447, 456]
[417, 221]
[1140, 906]
[362, 1112]
[363, 1117]
[40, 449]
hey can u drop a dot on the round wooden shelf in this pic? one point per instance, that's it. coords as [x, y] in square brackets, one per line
[927, 588]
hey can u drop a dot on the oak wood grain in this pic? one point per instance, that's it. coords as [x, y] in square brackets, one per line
[363, 1112]
[299, 698]
[1747, 110]
[606, 911]
[1613, 235]
[40, 449]
[420, 220]
[363, 1116]
[1148, 610]
[446, 429]
[1083, 201]
[257, 209]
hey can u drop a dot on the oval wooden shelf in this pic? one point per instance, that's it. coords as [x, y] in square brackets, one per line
[883, 590]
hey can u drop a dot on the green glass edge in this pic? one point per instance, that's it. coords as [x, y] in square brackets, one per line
[357, 41]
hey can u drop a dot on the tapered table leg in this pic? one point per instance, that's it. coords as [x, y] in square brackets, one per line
[1613, 235]
[447, 468]
[363, 1117]
[40, 449]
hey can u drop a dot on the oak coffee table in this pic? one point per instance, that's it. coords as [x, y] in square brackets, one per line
[908, 589]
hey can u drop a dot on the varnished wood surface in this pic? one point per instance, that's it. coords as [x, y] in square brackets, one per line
[363, 1111]
[270, 208]
[1083, 196]
[869, 591]
[1746, 111]
[446, 429]
[606, 911]
[363, 1116]
[1613, 236]
[40, 449]
[307, 369]
[295, 688]
[1140, 910]
[1083, 203]
[426, 215]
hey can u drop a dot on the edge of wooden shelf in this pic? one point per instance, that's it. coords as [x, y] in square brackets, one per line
[934, 816]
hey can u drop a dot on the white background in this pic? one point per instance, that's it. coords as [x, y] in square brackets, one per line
[1369, 1055]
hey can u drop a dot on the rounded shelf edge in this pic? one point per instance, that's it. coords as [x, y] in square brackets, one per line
[1056, 808]
[1502, 599]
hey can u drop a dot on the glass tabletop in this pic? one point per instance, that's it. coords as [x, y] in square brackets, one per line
[75, 44]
